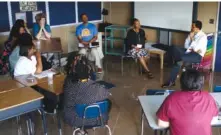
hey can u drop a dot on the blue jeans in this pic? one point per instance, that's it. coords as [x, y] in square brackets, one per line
[189, 58]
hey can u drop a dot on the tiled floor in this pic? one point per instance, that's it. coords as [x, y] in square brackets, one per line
[125, 113]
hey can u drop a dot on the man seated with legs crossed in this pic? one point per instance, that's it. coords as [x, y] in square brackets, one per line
[194, 51]
[87, 34]
[191, 110]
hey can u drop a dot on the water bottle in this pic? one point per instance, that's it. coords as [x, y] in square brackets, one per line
[166, 93]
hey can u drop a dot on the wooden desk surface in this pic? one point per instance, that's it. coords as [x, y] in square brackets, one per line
[52, 45]
[18, 97]
[56, 87]
[9, 85]
[23, 80]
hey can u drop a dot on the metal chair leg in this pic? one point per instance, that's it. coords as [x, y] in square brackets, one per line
[94, 130]
[19, 125]
[59, 123]
[77, 129]
[28, 127]
[155, 132]
[142, 122]
[122, 65]
[109, 130]
[43, 121]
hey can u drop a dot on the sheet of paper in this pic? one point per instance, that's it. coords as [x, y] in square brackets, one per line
[80, 45]
[21, 15]
[44, 74]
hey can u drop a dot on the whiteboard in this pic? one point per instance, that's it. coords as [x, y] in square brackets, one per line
[168, 15]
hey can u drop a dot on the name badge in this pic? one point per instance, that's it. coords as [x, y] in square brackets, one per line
[139, 46]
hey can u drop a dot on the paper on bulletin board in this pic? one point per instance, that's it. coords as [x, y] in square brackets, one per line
[28, 6]
[34, 13]
[21, 15]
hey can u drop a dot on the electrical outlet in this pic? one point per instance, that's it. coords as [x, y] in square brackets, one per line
[211, 21]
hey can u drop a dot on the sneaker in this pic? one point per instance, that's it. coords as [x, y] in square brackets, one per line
[168, 84]
[99, 70]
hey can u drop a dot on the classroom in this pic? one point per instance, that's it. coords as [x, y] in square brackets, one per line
[110, 67]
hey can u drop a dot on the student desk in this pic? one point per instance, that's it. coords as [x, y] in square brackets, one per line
[52, 45]
[9, 85]
[150, 105]
[23, 80]
[21, 101]
[55, 88]
[53, 93]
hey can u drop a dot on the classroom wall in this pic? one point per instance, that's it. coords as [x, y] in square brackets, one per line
[206, 11]
[121, 13]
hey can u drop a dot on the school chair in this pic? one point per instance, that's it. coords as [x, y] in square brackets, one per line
[217, 88]
[96, 110]
[157, 92]
[125, 55]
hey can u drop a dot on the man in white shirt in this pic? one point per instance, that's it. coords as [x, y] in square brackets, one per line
[194, 51]
[29, 61]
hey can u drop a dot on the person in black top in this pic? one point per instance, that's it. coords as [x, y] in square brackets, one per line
[135, 42]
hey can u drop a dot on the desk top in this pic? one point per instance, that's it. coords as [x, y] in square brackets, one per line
[9, 85]
[23, 80]
[52, 45]
[56, 87]
[150, 105]
[18, 97]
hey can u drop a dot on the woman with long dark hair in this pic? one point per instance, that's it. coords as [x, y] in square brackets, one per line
[17, 29]
[80, 89]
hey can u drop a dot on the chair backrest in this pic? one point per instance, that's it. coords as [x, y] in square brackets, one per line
[208, 57]
[217, 88]
[157, 92]
[92, 111]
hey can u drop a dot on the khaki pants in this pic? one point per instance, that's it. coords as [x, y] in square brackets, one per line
[93, 54]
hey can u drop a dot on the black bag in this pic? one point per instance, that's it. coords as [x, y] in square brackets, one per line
[46, 65]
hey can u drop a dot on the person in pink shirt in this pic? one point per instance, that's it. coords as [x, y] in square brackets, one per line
[189, 111]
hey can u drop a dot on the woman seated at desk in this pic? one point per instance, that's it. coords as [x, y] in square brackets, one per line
[29, 61]
[18, 28]
[79, 89]
[135, 43]
[41, 30]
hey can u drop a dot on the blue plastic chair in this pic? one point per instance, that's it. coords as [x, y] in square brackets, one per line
[157, 92]
[96, 110]
[217, 88]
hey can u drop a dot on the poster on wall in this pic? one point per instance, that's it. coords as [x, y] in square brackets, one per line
[34, 13]
[28, 6]
[21, 15]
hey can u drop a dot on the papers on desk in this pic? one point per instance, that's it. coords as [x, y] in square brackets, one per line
[90, 45]
[44, 74]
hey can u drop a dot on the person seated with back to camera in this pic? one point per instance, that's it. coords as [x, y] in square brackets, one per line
[87, 34]
[72, 60]
[194, 51]
[80, 89]
[191, 110]
[135, 43]
[29, 61]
